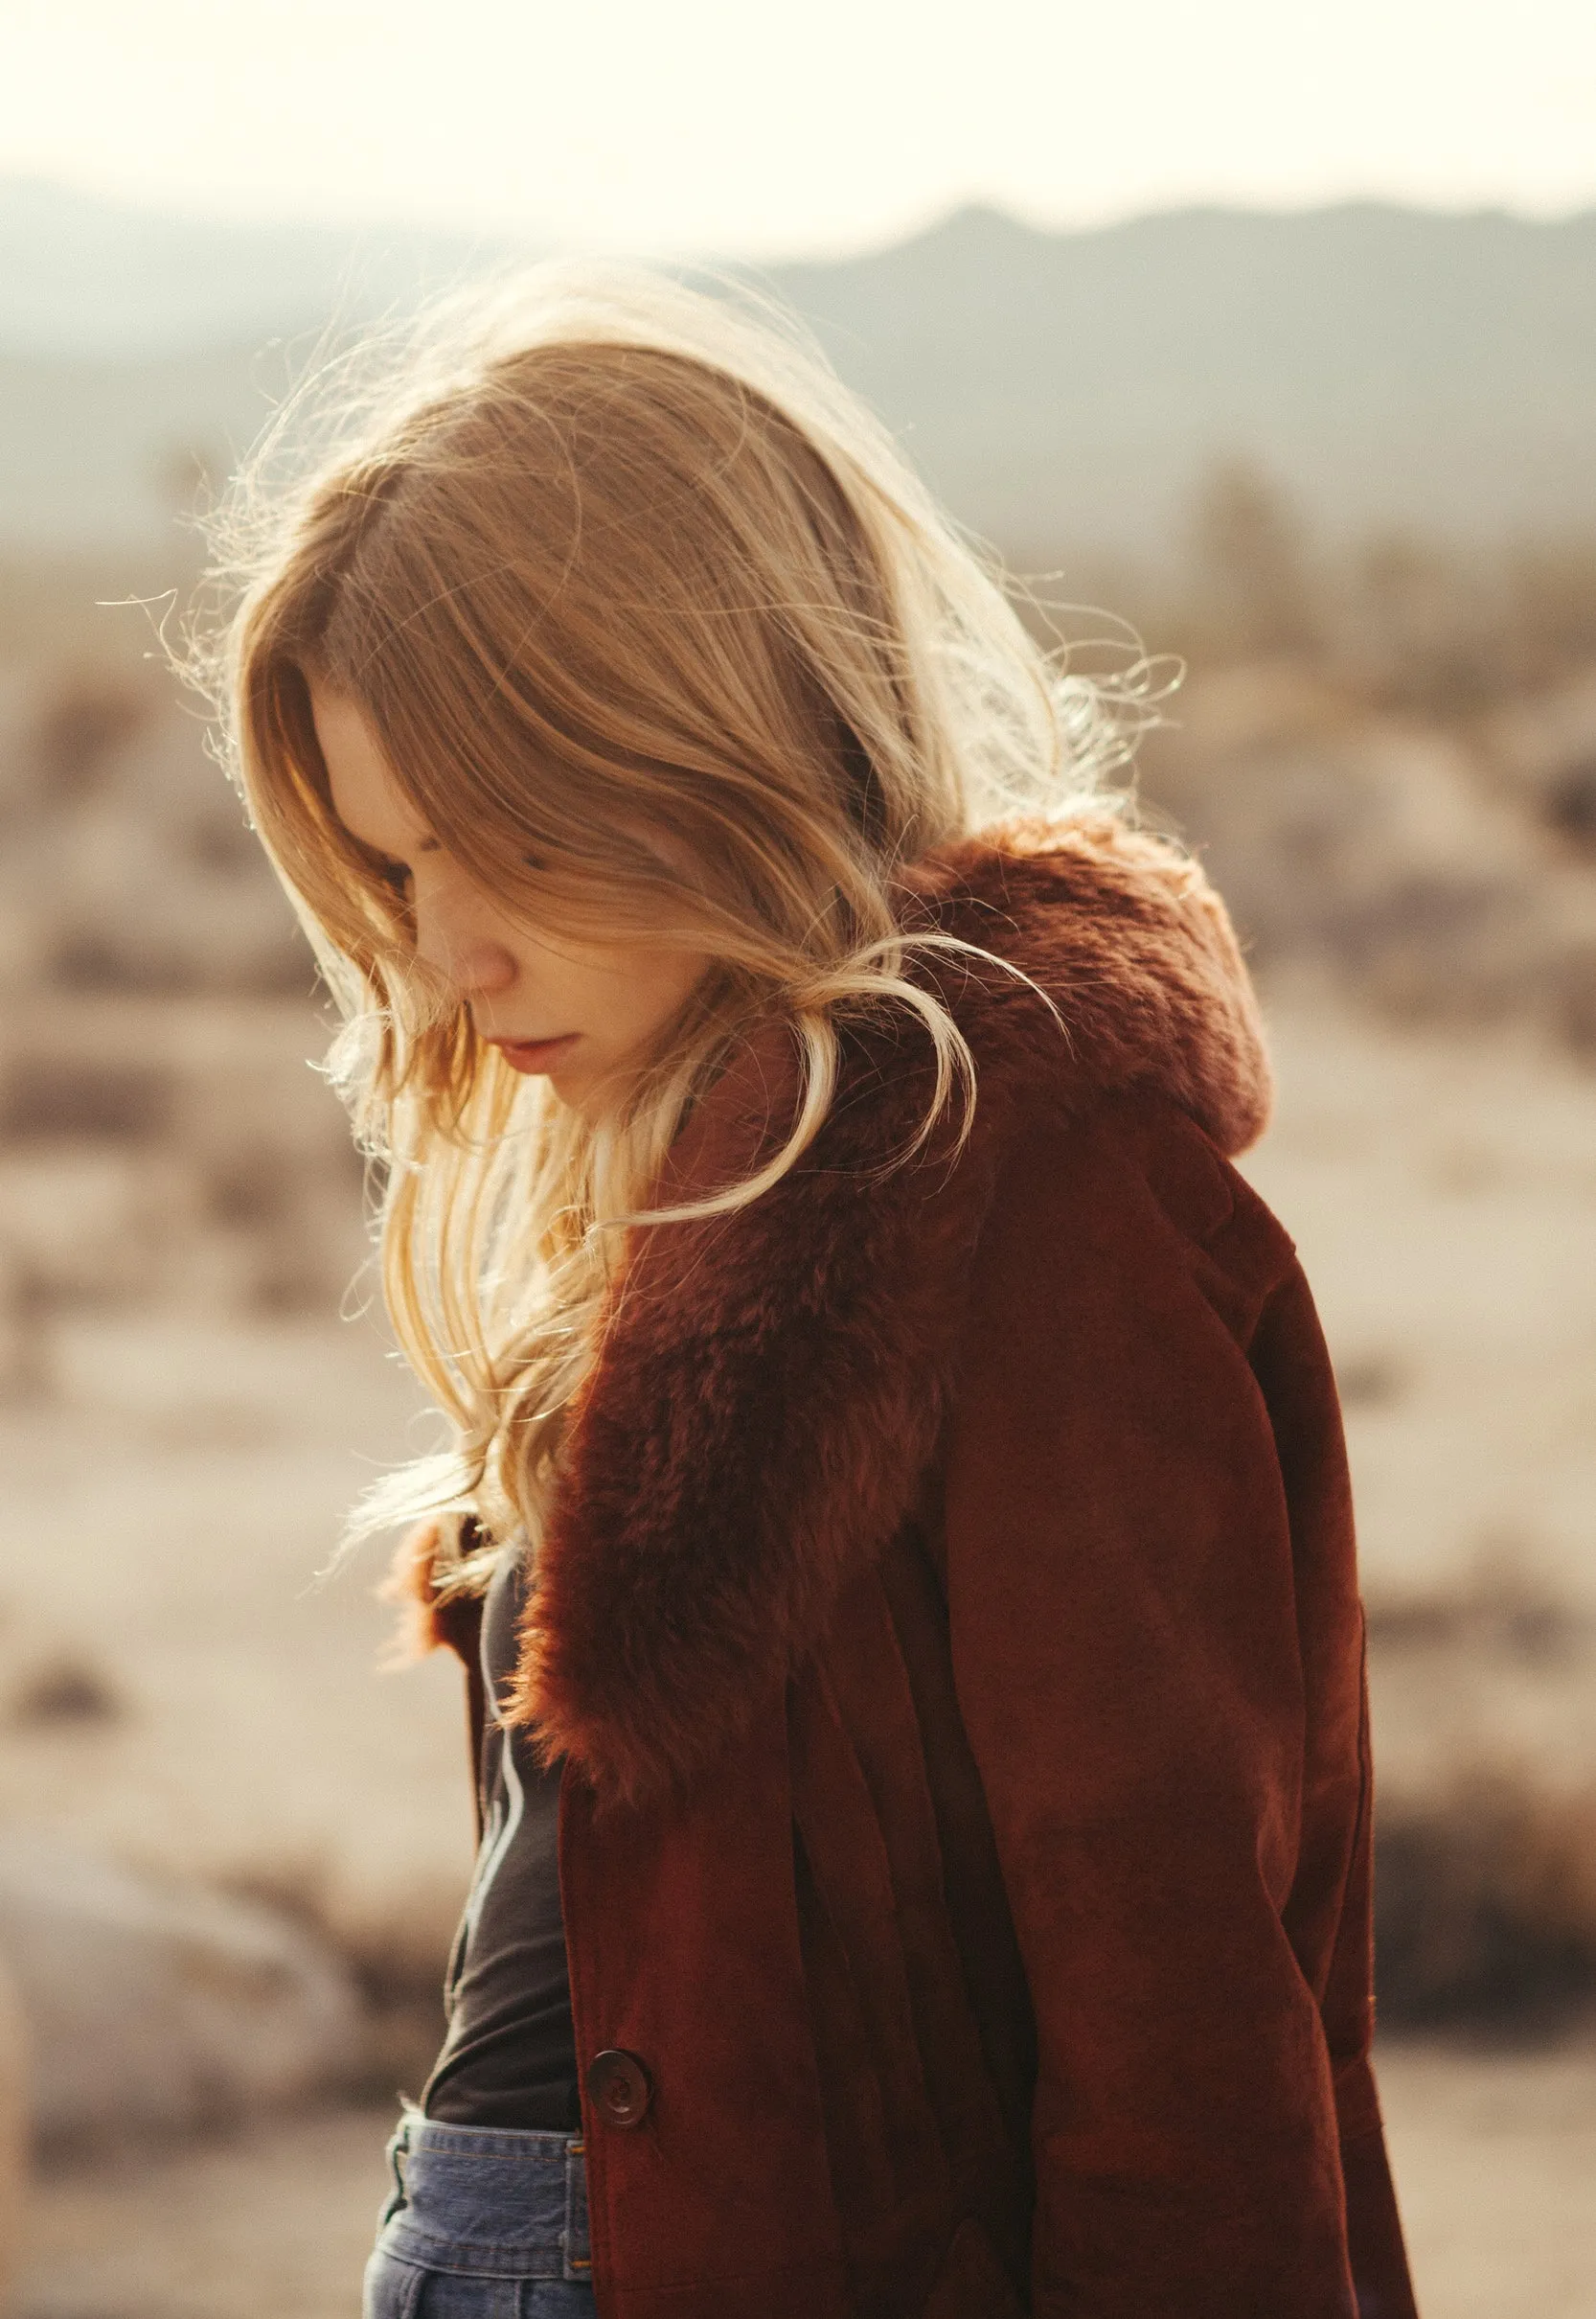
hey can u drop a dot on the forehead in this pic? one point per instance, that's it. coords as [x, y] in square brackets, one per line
[366, 797]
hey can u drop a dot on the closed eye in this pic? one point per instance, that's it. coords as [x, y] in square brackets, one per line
[397, 877]
[394, 874]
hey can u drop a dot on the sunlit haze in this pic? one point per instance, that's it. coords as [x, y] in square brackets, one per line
[713, 125]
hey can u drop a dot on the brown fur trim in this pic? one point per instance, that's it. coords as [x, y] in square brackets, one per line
[772, 1384]
[1125, 933]
[432, 1617]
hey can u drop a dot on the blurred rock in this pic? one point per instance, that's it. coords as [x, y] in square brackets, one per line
[152, 2006]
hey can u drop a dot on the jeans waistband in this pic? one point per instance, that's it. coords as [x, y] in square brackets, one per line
[487, 2201]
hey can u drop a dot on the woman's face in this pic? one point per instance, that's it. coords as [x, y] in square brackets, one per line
[579, 1014]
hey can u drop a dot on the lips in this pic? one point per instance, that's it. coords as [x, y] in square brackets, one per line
[532, 1055]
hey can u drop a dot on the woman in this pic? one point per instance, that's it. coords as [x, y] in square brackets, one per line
[896, 1521]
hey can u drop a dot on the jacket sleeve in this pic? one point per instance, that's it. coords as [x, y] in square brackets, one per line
[1157, 1647]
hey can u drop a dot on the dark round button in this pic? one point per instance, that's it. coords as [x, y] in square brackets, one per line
[620, 2088]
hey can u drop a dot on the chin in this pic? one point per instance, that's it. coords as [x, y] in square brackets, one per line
[571, 1087]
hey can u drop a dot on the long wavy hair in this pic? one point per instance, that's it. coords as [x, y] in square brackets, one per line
[606, 560]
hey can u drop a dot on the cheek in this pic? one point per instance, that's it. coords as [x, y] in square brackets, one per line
[673, 979]
[648, 990]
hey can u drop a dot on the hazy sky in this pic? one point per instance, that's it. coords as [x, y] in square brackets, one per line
[747, 126]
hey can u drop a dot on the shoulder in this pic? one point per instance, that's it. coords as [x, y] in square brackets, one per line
[1120, 1239]
[1141, 1410]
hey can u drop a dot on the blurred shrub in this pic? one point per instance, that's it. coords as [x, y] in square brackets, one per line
[128, 865]
[1254, 592]
[83, 723]
[1393, 617]
[50, 1097]
[1485, 1910]
[1382, 849]
[67, 1690]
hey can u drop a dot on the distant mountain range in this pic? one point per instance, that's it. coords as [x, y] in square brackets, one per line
[98, 280]
[1065, 391]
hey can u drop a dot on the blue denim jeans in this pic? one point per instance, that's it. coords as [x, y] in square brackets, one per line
[483, 2223]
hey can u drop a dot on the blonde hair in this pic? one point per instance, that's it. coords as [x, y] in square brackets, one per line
[605, 560]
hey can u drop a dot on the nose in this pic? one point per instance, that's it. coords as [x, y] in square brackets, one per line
[474, 966]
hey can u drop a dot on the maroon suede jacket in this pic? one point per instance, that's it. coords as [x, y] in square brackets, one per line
[949, 1622]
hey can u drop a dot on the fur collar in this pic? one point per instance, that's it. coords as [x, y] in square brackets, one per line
[772, 1384]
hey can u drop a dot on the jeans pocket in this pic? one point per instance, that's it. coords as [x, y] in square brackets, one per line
[392, 2290]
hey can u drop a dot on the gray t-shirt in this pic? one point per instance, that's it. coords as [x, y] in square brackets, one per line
[510, 2056]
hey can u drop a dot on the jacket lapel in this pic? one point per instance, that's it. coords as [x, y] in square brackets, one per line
[771, 1384]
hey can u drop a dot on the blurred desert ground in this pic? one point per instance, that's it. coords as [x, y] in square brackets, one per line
[232, 1850]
